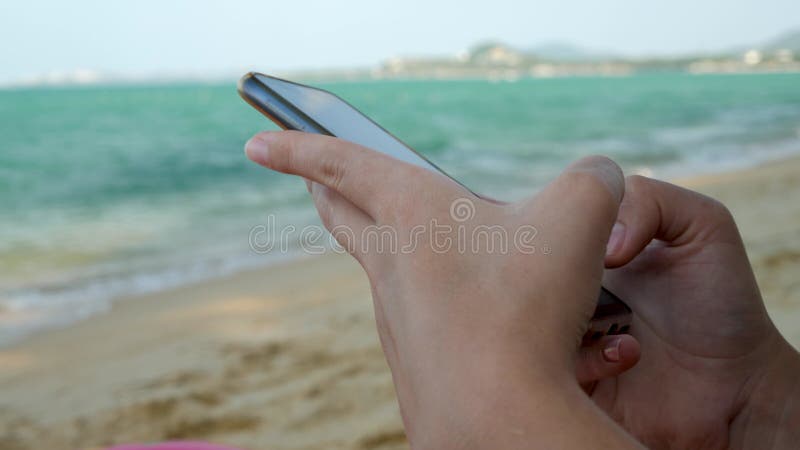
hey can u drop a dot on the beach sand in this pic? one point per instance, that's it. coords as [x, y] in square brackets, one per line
[288, 357]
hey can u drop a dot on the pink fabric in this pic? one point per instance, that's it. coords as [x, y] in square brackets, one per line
[183, 445]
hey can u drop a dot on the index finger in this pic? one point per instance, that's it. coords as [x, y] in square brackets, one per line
[365, 177]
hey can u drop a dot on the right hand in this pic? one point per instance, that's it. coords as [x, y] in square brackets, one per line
[482, 341]
[714, 371]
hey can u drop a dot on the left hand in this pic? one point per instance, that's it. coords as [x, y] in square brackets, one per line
[477, 338]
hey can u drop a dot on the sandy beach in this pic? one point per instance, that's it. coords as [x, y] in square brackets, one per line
[288, 357]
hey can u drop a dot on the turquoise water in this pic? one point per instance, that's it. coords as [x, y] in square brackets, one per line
[108, 191]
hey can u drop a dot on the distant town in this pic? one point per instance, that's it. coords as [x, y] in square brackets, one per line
[502, 62]
[490, 60]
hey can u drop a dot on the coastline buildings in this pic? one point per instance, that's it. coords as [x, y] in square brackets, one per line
[499, 62]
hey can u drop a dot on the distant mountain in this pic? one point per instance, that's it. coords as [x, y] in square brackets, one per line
[492, 51]
[486, 46]
[567, 52]
[789, 40]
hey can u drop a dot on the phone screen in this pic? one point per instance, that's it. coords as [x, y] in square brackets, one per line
[342, 120]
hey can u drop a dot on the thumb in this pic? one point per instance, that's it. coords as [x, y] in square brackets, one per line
[678, 217]
[578, 209]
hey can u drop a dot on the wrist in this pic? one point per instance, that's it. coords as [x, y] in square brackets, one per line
[496, 414]
[467, 406]
[494, 407]
[771, 412]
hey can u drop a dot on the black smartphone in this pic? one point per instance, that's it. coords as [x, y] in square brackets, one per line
[294, 106]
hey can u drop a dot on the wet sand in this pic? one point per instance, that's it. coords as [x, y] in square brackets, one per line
[288, 357]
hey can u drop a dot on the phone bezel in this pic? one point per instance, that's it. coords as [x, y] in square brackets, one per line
[289, 117]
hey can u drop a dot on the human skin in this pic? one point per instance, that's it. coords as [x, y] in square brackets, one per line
[482, 345]
[715, 372]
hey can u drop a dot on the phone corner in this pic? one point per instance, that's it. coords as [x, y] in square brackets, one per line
[240, 85]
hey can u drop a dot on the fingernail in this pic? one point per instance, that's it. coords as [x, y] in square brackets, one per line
[611, 352]
[616, 239]
[257, 150]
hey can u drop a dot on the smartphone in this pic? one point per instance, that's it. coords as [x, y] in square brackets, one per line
[294, 106]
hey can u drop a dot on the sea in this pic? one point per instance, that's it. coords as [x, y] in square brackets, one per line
[107, 192]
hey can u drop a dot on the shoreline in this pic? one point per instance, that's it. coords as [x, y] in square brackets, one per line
[700, 177]
[287, 357]
[368, 74]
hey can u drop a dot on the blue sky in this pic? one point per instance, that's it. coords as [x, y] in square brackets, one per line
[148, 37]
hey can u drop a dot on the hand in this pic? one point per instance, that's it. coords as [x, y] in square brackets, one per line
[482, 344]
[714, 372]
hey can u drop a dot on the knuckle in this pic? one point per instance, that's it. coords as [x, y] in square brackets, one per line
[332, 171]
[717, 210]
[717, 219]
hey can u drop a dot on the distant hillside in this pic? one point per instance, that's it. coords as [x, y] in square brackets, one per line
[789, 40]
[567, 52]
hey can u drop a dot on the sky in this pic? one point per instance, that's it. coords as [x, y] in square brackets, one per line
[204, 37]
